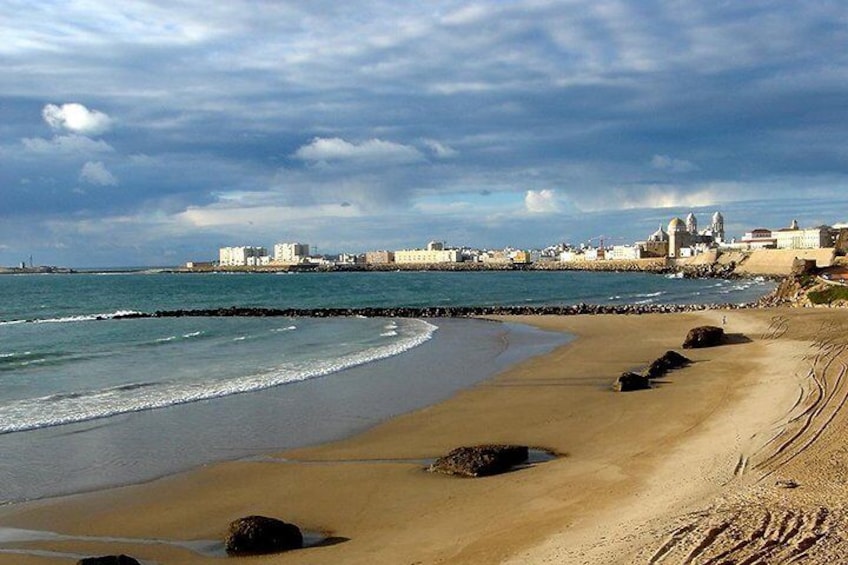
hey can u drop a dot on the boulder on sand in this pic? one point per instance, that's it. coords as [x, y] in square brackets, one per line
[481, 460]
[704, 336]
[257, 535]
[668, 362]
[109, 560]
[631, 381]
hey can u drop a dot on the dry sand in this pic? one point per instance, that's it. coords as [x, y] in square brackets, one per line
[692, 471]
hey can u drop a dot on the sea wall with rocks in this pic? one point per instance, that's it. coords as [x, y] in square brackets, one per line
[438, 311]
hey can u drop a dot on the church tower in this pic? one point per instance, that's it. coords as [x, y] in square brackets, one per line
[717, 227]
[692, 223]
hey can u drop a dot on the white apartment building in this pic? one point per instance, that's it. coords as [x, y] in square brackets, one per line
[626, 252]
[290, 252]
[240, 256]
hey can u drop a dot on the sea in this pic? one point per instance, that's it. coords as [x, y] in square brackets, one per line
[89, 401]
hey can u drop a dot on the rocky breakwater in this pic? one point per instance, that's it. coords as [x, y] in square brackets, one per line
[437, 311]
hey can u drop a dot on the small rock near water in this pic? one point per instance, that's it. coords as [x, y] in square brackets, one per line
[481, 460]
[704, 336]
[257, 535]
[109, 560]
[631, 381]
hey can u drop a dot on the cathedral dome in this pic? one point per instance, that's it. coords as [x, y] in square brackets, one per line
[676, 225]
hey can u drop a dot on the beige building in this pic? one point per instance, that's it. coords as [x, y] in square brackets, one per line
[678, 237]
[426, 256]
[812, 238]
[379, 257]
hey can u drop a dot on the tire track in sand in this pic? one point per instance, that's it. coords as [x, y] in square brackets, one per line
[750, 530]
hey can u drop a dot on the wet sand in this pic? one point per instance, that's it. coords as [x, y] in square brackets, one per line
[682, 473]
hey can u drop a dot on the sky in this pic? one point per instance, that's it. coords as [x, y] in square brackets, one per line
[154, 132]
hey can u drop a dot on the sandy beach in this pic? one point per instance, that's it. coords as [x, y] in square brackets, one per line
[736, 458]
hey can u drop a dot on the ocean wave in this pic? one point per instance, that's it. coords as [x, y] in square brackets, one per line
[390, 333]
[16, 361]
[286, 329]
[67, 319]
[49, 411]
[649, 295]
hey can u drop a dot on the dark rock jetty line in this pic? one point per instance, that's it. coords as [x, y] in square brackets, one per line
[437, 311]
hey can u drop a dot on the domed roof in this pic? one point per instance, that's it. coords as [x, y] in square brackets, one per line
[676, 225]
[658, 235]
[717, 216]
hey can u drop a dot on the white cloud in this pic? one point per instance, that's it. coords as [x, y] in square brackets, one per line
[666, 163]
[373, 150]
[440, 150]
[76, 118]
[541, 201]
[66, 144]
[659, 197]
[269, 216]
[95, 172]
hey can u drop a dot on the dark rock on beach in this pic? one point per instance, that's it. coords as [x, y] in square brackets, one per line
[257, 535]
[481, 460]
[704, 336]
[668, 362]
[631, 381]
[109, 560]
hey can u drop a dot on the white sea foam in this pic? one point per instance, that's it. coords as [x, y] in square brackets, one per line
[166, 339]
[286, 329]
[77, 318]
[55, 410]
[649, 295]
[240, 338]
[192, 334]
[390, 333]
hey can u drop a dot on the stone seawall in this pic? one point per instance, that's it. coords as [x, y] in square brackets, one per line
[438, 311]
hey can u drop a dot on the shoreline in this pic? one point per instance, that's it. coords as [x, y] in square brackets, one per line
[138, 446]
[369, 492]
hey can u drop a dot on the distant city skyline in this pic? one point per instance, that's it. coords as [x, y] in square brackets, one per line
[147, 133]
